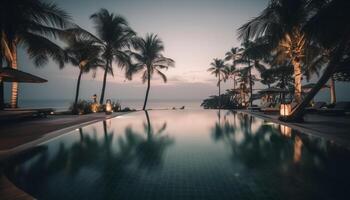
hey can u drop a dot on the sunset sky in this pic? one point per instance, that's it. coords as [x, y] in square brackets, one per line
[194, 32]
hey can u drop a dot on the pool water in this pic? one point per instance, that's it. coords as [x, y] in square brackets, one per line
[197, 154]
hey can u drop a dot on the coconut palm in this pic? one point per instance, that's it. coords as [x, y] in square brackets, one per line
[149, 60]
[251, 54]
[85, 55]
[1, 82]
[281, 25]
[331, 16]
[218, 68]
[31, 24]
[114, 36]
[234, 55]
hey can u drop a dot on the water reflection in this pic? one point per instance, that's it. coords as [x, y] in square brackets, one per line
[279, 150]
[150, 149]
[105, 160]
[184, 155]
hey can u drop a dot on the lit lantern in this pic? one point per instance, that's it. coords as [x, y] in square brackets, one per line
[285, 109]
[286, 131]
[109, 109]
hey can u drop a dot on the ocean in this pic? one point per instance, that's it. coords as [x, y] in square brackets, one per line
[63, 104]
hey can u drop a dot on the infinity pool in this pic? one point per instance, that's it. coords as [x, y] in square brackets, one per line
[196, 154]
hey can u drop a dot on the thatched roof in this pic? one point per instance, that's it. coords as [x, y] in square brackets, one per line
[8, 74]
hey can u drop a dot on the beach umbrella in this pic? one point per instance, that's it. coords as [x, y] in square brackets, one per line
[8, 74]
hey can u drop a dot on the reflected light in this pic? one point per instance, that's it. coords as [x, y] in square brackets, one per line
[298, 144]
[286, 131]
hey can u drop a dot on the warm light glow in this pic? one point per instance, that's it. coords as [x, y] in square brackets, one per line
[286, 131]
[298, 144]
[14, 95]
[109, 109]
[285, 109]
[94, 107]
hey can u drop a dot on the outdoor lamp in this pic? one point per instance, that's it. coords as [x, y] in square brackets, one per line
[109, 109]
[94, 106]
[285, 109]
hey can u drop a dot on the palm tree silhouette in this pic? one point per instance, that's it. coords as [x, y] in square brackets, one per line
[251, 56]
[31, 25]
[218, 68]
[234, 54]
[335, 40]
[280, 24]
[114, 36]
[149, 60]
[85, 55]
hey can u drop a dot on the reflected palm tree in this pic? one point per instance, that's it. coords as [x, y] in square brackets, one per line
[268, 148]
[222, 130]
[88, 153]
[150, 150]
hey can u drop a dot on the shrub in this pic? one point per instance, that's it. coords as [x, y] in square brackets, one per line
[80, 108]
[116, 106]
[127, 109]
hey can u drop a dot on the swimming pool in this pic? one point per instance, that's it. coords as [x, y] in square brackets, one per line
[197, 154]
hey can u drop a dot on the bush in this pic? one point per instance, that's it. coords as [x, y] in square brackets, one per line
[81, 108]
[213, 102]
[127, 109]
[116, 106]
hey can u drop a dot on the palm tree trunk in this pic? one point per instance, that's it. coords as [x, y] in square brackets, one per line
[298, 113]
[219, 92]
[297, 80]
[251, 86]
[148, 87]
[332, 90]
[234, 82]
[149, 135]
[1, 89]
[104, 82]
[14, 89]
[78, 87]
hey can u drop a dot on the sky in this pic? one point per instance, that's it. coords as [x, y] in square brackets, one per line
[193, 31]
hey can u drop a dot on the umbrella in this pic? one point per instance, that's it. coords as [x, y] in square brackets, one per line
[8, 74]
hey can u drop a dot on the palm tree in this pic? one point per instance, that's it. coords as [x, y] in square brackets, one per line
[218, 68]
[331, 16]
[31, 24]
[84, 54]
[1, 82]
[280, 24]
[234, 55]
[250, 56]
[114, 37]
[149, 60]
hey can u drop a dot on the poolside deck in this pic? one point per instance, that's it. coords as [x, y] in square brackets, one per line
[18, 133]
